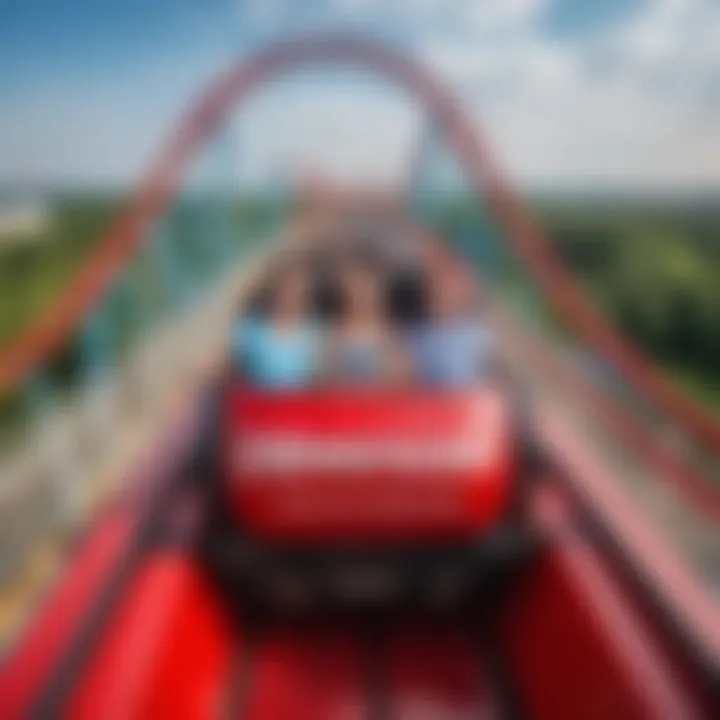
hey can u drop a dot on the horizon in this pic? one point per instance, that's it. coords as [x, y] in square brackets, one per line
[569, 92]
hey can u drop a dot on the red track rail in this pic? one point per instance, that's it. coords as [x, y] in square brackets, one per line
[155, 191]
[171, 649]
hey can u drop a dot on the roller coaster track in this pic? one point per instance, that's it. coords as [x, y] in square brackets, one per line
[161, 184]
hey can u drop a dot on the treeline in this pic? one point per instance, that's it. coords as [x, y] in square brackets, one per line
[34, 272]
[656, 277]
[652, 268]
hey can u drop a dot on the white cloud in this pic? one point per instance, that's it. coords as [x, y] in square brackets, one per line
[604, 134]
[260, 10]
[518, 67]
[491, 15]
[352, 7]
[645, 119]
[645, 116]
[355, 133]
[498, 45]
[677, 39]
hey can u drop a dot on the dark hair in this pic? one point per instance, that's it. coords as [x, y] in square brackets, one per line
[407, 296]
[263, 297]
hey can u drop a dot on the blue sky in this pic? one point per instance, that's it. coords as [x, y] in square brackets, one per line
[568, 91]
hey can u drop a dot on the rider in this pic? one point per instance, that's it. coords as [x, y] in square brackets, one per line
[281, 348]
[361, 349]
[453, 348]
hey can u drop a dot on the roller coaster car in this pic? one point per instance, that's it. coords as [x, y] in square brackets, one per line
[357, 496]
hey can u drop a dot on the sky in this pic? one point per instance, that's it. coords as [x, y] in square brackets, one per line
[568, 93]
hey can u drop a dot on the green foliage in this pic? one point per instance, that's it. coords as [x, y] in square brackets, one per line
[652, 269]
[655, 283]
[32, 273]
[655, 273]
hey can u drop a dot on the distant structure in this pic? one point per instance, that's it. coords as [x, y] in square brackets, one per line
[23, 220]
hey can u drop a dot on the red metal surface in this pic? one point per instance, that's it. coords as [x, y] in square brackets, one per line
[166, 653]
[100, 550]
[576, 645]
[655, 454]
[370, 466]
[674, 583]
[580, 648]
[436, 673]
[352, 672]
[311, 674]
[25, 669]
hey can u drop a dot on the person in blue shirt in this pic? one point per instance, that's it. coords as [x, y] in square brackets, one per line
[281, 349]
[452, 348]
[361, 350]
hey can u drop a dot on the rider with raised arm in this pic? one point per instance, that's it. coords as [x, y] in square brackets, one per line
[361, 349]
[452, 348]
[281, 348]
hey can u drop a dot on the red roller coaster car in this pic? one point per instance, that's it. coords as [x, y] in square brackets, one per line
[349, 495]
[367, 468]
